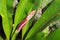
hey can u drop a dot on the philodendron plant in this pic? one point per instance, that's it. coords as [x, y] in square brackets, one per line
[31, 19]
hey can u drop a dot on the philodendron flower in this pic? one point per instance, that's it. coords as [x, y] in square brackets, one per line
[26, 20]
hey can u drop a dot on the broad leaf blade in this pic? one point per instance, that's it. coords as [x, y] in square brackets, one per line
[9, 5]
[5, 21]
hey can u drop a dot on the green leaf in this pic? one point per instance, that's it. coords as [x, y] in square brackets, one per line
[25, 6]
[5, 20]
[48, 15]
[38, 36]
[35, 7]
[21, 12]
[0, 7]
[1, 38]
[57, 17]
[55, 35]
[9, 5]
[26, 27]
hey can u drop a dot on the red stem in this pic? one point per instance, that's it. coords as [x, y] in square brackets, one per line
[25, 20]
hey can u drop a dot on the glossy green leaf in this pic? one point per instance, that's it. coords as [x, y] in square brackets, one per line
[48, 15]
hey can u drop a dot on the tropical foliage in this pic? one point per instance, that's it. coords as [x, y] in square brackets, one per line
[31, 19]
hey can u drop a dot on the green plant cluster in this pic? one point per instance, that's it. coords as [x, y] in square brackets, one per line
[31, 30]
